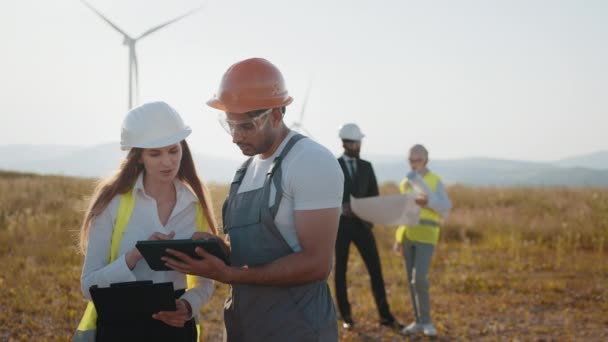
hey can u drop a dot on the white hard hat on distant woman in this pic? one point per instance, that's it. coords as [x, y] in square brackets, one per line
[152, 125]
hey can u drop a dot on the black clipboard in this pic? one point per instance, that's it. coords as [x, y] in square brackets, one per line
[129, 301]
[153, 250]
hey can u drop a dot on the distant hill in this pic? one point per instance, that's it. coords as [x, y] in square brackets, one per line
[497, 172]
[102, 160]
[597, 160]
[19, 154]
[94, 161]
[99, 161]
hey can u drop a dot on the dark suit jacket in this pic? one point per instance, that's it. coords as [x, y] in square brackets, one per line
[364, 185]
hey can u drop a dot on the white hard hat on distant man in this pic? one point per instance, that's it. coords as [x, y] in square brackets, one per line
[350, 131]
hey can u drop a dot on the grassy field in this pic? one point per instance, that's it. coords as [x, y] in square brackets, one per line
[513, 264]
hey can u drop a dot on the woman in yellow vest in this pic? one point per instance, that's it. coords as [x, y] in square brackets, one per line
[155, 195]
[416, 244]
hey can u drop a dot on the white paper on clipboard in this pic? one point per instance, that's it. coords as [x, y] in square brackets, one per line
[390, 210]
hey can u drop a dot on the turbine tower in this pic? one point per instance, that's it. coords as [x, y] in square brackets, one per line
[130, 43]
[298, 125]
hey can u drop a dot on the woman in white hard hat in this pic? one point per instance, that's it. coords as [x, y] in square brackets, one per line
[167, 201]
[417, 243]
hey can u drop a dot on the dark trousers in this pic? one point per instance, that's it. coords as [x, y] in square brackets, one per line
[353, 230]
[148, 329]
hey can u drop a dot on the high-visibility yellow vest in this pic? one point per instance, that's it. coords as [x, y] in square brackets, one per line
[427, 229]
[88, 324]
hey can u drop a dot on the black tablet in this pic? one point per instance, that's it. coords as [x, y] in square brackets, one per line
[130, 301]
[153, 250]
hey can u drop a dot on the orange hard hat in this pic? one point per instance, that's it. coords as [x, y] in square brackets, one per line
[251, 84]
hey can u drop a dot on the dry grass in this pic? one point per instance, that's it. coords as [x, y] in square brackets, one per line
[513, 264]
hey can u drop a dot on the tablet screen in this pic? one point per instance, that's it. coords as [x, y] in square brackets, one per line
[153, 250]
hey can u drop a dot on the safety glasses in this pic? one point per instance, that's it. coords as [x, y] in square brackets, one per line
[244, 128]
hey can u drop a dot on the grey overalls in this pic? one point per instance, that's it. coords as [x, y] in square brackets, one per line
[270, 313]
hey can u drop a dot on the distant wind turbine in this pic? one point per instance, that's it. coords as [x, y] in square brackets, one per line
[298, 125]
[130, 42]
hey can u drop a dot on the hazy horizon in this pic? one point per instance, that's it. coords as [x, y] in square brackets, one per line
[517, 80]
[364, 154]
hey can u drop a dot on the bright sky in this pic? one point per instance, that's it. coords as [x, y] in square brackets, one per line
[507, 79]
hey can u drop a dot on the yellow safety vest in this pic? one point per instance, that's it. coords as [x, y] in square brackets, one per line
[88, 324]
[427, 229]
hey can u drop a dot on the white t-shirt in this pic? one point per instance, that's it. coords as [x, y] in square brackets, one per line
[311, 179]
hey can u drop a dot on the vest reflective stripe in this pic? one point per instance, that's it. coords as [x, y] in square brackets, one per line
[88, 323]
[428, 223]
[427, 229]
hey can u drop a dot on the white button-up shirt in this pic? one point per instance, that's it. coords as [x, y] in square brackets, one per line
[144, 222]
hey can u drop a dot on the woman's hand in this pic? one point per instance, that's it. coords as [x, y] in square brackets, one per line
[178, 317]
[161, 236]
[134, 256]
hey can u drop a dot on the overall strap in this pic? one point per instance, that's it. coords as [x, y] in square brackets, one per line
[238, 177]
[234, 186]
[274, 175]
[275, 169]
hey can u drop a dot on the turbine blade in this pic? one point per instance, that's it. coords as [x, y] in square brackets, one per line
[131, 49]
[135, 77]
[105, 19]
[305, 102]
[156, 28]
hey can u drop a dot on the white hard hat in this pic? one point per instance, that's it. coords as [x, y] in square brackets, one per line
[350, 131]
[152, 125]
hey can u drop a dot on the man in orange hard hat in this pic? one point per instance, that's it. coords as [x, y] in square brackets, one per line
[281, 216]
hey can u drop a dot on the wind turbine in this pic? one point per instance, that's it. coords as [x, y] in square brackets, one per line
[297, 125]
[130, 43]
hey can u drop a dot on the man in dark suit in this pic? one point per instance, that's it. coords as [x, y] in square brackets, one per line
[359, 181]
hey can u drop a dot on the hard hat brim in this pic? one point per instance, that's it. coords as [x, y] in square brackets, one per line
[353, 138]
[161, 142]
[248, 106]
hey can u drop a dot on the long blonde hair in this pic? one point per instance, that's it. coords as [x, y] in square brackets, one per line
[124, 180]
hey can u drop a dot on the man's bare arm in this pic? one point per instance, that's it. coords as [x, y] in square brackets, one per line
[316, 231]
